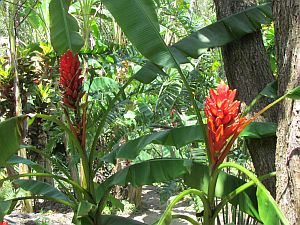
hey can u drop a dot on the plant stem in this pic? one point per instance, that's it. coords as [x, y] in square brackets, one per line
[194, 103]
[185, 217]
[237, 191]
[228, 146]
[258, 183]
[211, 192]
[202, 196]
[82, 153]
[102, 122]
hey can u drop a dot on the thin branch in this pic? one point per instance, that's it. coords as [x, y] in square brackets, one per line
[25, 17]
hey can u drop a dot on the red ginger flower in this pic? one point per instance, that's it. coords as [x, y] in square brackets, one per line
[223, 121]
[4, 223]
[70, 79]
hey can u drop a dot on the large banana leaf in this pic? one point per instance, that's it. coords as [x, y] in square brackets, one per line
[199, 178]
[5, 208]
[38, 190]
[10, 137]
[138, 20]
[217, 34]
[147, 172]
[20, 160]
[182, 136]
[63, 28]
[266, 209]
[259, 130]
[42, 189]
[177, 137]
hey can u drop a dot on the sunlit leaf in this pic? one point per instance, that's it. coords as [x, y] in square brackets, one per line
[147, 172]
[177, 137]
[217, 34]
[63, 28]
[41, 189]
[10, 137]
[199, 178]
[259, 130]
[139, 22]
[294, 94]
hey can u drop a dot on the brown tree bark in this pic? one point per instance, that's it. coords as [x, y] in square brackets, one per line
[248, 70]
[287, 27]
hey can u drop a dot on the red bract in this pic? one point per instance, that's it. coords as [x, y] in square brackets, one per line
[223, 121]
[70, 79]
[4, 223]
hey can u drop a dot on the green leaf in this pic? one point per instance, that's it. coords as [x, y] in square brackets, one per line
[226, 30]
[116, 203]
[294, 94]
[270, 90]
[118, 220]
[267, 211]
[148, 73]
[177, 137]
[168, 219]
[10, 137]
[217, 34]
[63, 28]
[84, 208]
[259, 130]
[42, 189]
[148, 172]
[17, 160]
[139, 22]
[102, 85]
[199, 178]
[4, 208]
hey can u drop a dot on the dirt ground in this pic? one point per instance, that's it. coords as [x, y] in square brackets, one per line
[149, 212]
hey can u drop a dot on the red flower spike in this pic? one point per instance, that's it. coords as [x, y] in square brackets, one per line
[70, 79]
[223, 121]
[4, 223]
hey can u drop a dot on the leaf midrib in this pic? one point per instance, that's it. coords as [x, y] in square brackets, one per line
[67, 31]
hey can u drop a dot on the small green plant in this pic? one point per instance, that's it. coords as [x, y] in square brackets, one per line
[6, 189]
[42, 221]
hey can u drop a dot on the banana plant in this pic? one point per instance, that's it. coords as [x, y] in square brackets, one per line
[88, 198]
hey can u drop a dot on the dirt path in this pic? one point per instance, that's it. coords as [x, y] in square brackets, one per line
[151, 209]
[150, 212]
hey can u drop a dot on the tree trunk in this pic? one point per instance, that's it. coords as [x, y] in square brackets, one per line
[287, 28]
[248, 70]
[12, 32]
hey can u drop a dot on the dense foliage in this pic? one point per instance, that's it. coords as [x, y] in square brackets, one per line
[112, 81]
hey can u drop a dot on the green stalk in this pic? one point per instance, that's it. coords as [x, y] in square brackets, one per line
[211, 192]
[193, 101]
[237, 191]
[256, 115]
[102, 122]
[201, 194]
[185, 217]
[251, 105]
[257, 182]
